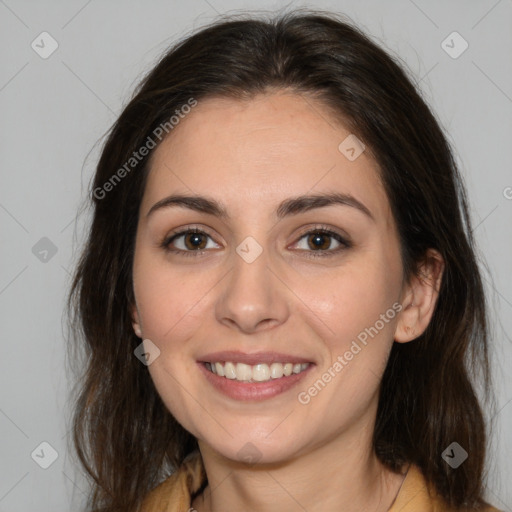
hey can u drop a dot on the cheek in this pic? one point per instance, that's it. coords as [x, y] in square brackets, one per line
[357, 307]
[170, 308]
[167, 300]
[348, 301]
[356, 310]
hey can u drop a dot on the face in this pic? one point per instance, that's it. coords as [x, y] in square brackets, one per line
[250, 275]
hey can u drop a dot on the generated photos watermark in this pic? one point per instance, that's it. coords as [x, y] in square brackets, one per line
[159, 133]
[304, 397]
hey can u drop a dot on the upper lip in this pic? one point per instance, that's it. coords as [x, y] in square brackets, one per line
[234, 356]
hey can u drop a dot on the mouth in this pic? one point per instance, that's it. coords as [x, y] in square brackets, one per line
[253, 377]
[260, 372]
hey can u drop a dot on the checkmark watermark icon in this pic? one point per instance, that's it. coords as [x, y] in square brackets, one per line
[454, 45]
[44, 45]
[44, 455]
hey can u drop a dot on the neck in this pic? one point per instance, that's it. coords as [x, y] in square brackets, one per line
[336, 476]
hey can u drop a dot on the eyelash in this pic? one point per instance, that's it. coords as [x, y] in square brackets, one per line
[321, 253]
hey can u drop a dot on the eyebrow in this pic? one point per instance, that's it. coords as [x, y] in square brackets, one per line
[292, 206]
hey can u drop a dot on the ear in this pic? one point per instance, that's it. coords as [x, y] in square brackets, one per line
[136, 320]
[419, 298]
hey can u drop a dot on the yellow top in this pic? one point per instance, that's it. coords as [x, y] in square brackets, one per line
[174, 493]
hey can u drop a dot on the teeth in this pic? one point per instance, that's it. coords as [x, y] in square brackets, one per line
[219, 369]
[243, 371]
[260, 372]
[229, 370]
[276, 370]
[257, 373]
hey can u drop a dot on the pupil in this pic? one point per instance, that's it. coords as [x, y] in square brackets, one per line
[317, 241]
[195, 239]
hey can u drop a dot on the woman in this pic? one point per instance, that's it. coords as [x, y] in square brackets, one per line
[279, 296]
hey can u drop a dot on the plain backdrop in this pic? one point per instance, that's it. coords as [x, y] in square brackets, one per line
[54, 110]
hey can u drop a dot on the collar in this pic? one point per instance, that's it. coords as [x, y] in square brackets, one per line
[175, 493]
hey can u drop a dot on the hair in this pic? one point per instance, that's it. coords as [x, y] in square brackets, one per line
[124, 436]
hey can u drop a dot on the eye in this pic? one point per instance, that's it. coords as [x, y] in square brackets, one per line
[189, 241]
[319, 241]
[322, 241]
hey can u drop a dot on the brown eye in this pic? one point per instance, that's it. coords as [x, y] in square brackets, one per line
[189, 241]
[319, 241]
[322, 242]
[194, 241]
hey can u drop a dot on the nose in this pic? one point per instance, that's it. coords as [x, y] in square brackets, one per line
[252, 298]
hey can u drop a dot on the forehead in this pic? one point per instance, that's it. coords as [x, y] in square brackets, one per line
[259, 151]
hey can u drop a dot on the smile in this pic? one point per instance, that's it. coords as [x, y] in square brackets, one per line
[260, 372]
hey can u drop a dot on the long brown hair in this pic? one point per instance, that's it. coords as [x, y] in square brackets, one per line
[123, 434]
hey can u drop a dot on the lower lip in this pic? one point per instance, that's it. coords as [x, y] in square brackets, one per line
[255, 391]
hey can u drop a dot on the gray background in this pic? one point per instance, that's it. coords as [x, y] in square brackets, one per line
[54, 111]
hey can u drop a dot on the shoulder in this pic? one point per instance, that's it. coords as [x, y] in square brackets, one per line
[416, 495]
[174, 493]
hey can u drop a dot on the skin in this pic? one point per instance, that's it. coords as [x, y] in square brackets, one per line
[251, 155]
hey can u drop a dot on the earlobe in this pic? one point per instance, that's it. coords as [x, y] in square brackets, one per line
[421, 296]
[136, 322]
